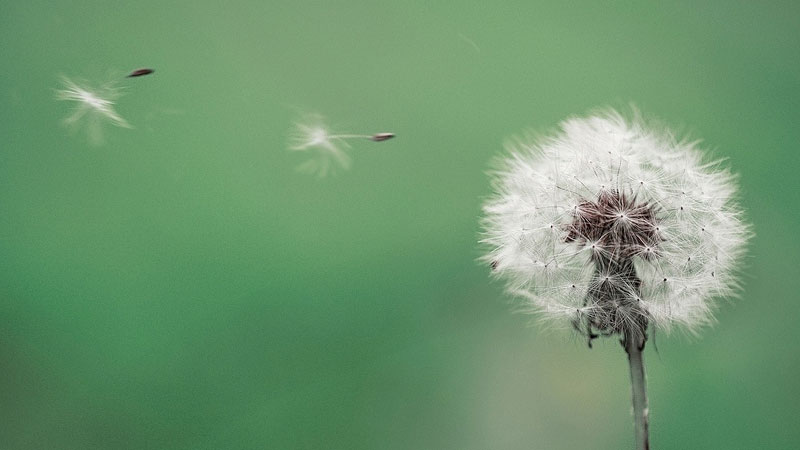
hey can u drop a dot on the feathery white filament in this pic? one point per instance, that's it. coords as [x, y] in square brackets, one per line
[93, 107]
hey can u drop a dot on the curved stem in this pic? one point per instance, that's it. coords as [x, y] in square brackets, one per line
[634, 347]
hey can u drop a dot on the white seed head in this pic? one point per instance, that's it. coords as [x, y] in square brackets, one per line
[612, 226]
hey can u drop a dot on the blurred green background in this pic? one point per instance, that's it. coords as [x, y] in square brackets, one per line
[182, 287]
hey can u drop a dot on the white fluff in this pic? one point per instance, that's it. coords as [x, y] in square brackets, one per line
[328, 150]
[544, 180]
[93, 107]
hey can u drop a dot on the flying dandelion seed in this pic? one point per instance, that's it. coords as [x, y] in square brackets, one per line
[94, 106]
[328, 149]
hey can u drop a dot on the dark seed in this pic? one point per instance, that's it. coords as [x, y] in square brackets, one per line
[382, 137]
[140, 72]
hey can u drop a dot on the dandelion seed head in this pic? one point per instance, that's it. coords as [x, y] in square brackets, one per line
[612, 226]
[93, 107]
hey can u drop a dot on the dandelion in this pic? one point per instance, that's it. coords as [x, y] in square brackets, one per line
[93, 107]
[312, 135]
[616, 229]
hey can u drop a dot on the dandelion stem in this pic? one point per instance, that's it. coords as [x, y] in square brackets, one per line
[634, 346]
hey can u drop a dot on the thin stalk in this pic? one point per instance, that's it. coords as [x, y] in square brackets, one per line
[634, 347]
[350, 136]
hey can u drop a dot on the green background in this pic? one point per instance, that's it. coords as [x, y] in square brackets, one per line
[182, 287]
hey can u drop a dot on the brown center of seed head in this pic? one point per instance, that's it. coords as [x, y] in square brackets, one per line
[616, 228]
